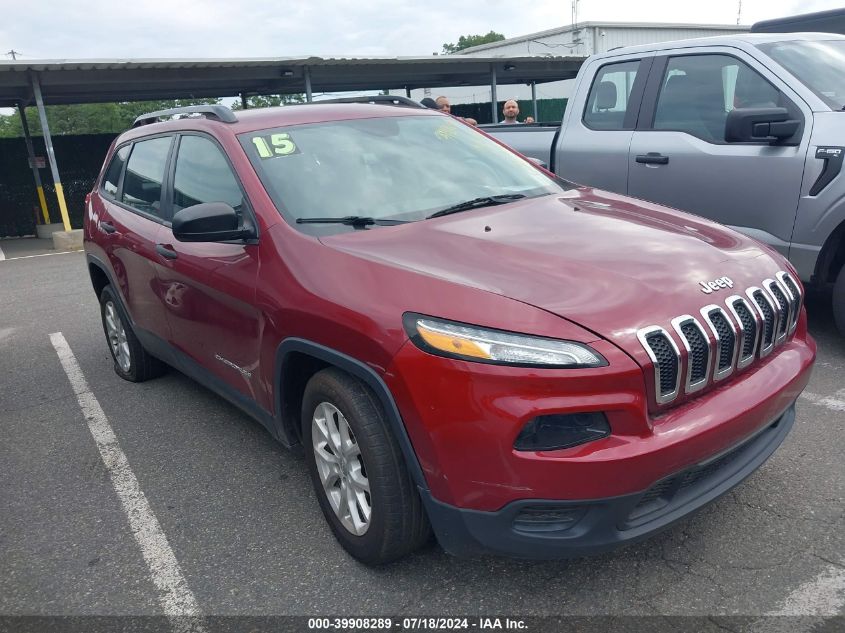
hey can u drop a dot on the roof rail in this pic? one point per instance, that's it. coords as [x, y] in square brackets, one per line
[378, 99]
[219, 112]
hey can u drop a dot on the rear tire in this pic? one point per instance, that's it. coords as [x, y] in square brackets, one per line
[839, 301]
[131, 361]
[358, 471]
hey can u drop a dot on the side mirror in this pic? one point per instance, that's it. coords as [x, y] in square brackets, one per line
[759, 125]
[208, 222]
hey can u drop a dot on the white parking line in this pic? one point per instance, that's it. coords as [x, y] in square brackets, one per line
[836, 403]
[175, 596]
[11, 259]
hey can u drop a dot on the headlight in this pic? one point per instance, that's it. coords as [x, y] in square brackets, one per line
[468, 342]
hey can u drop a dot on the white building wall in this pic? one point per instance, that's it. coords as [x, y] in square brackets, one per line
[590, 38]
[627, 36]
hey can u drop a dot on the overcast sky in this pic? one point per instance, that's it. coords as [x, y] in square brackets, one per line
[75, 29]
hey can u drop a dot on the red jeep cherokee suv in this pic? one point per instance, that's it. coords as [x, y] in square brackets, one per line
[459, 341]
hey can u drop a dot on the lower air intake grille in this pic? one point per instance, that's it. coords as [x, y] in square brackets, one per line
[548, 518]
[674, 491]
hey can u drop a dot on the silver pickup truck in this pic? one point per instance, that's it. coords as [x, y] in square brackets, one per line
[747, 130]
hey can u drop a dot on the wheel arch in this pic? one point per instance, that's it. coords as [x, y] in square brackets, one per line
[102, 277]
[832, 256]
[298, 359]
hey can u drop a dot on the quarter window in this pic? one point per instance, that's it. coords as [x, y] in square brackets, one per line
[112, 179]
[144, 175]
[698, 91]
[203, 175]
[607, 103]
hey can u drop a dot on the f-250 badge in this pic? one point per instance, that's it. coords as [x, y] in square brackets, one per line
[710, 286]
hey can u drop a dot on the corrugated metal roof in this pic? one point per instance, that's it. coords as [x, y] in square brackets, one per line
[92, 80]
[610, 25]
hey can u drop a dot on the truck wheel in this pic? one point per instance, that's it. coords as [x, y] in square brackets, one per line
[358, 472]
[131, 361]
[839, 301]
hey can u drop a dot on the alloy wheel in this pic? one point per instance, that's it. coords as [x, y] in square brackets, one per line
[341, 468]
[117, 337]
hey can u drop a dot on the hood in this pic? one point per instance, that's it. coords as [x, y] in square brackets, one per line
[609, 263]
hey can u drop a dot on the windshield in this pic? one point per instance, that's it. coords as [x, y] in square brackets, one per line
[389, 168]
[819, 65]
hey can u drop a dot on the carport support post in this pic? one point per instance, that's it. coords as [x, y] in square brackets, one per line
[493, 98]
[51, 154]
[31, 152]
[534, 99]
[407, 92]
[244, 104]
[308, 84]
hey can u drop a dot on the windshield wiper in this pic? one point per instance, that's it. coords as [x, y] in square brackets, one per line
[357, 221]
[475, 203]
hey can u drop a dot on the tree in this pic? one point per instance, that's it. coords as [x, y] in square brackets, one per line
[269, 101]
[465, 41]
[90, 118]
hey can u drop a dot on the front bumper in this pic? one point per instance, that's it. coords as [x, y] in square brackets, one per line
[543, 528]
[463, 418]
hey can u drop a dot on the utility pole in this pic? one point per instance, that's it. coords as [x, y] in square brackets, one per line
[739, 13]
[13, 54]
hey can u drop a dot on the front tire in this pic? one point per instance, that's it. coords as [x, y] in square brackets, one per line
[131, 361]
[839, 301]
[358, 472]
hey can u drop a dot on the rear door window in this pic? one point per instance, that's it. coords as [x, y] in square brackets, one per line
[111, 182]
[607, 103]
[145, 174]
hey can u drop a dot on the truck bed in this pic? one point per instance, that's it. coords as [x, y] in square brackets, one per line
[532, 139]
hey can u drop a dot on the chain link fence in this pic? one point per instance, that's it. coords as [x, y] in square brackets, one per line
[79, 159]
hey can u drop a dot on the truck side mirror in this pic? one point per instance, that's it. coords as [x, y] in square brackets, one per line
[759, 125]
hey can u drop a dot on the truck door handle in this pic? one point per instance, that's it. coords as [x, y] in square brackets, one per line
[166, 251]
[653, 158]
[108, 227]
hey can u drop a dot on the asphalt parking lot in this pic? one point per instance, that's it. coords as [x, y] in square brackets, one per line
[248, 538]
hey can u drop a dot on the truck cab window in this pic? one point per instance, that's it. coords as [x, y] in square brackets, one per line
[698, 91]
[607, 102]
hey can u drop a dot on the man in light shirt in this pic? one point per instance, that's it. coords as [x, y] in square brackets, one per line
[510, 110]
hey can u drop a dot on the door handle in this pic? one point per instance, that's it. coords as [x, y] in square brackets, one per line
[108, 227]
[653, 158]
[166, 251]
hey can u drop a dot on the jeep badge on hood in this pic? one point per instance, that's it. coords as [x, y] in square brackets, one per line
[722, 282]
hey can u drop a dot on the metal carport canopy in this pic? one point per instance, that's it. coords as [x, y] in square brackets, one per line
[103, 80]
